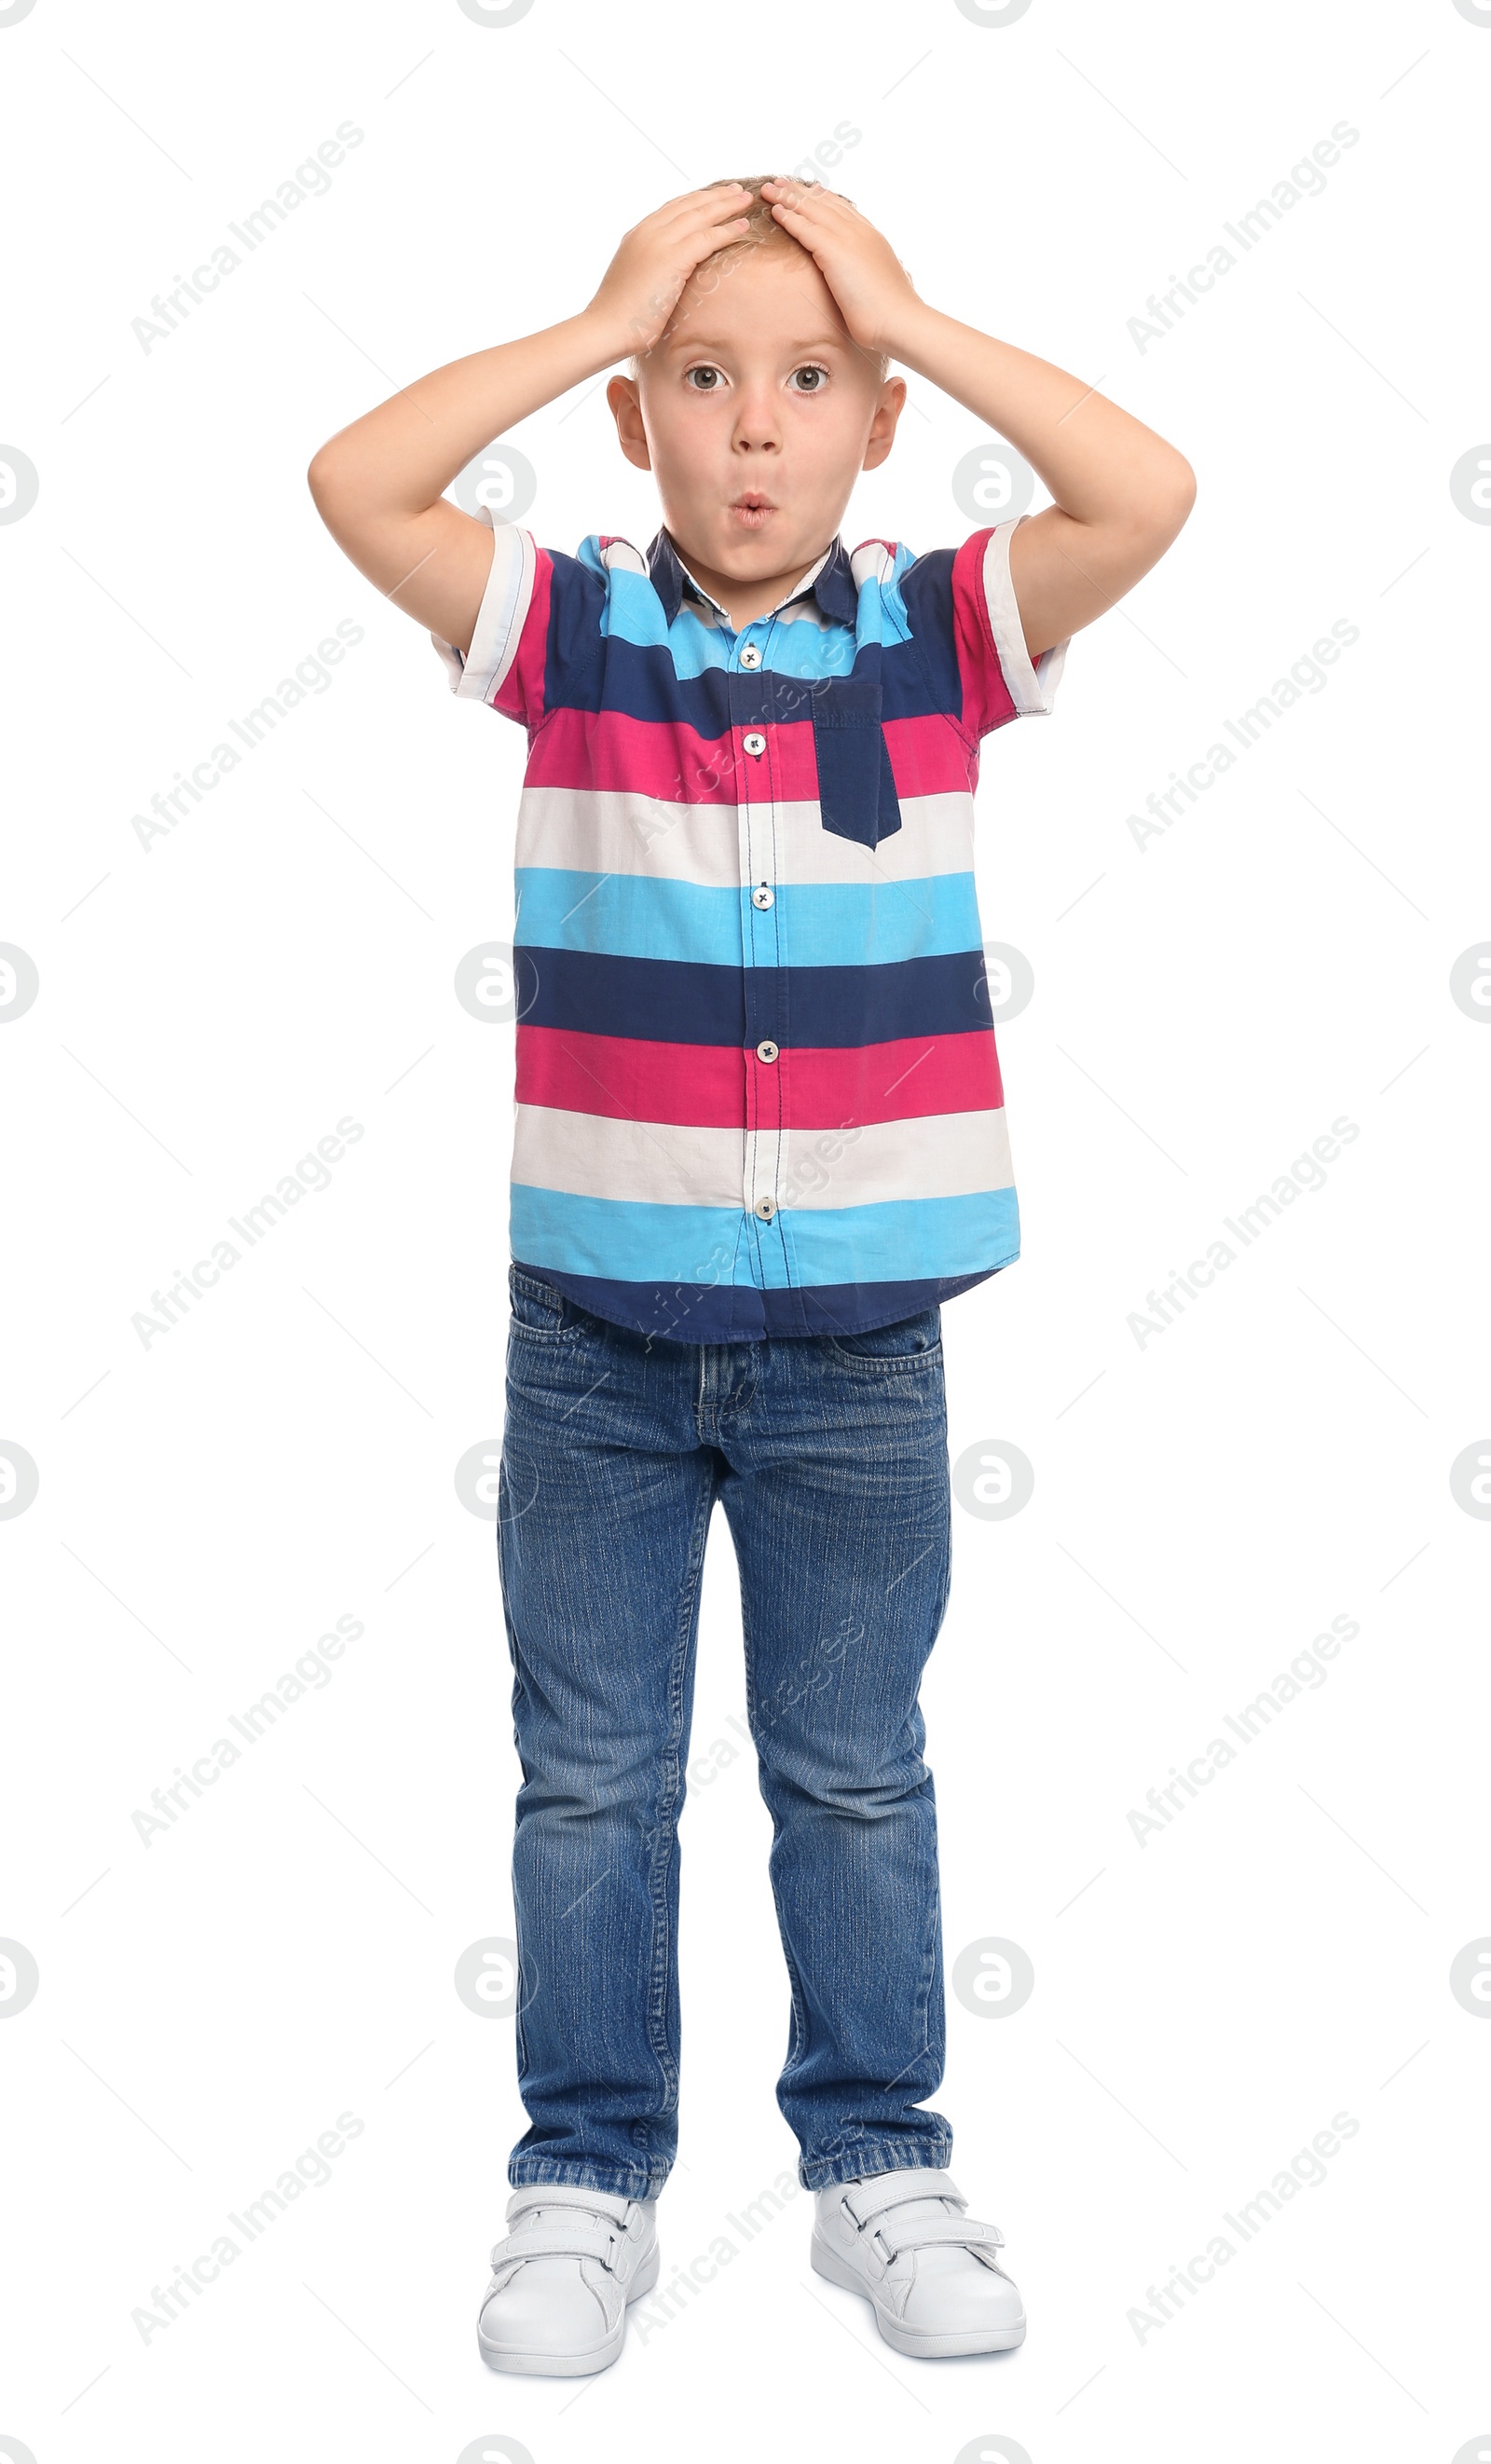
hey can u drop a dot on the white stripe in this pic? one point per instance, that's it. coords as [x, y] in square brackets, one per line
[582, 830]
[1032, 689]
[499, 620]
[696, 590]
[872, 561]
[797, 611]
[621, 556]
[948, 1155]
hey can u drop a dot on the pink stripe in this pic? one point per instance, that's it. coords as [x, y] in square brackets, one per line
[625, 1078]
[705, 1084]
[520, 693]
[928, 757]
[986, 696]
[907, 1080]
[611, 751]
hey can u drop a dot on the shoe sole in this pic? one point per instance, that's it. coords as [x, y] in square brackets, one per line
[922, 2345]
[572, 2366]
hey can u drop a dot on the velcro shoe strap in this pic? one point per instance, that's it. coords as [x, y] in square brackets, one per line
[565, 2194]
[867, 2200]
[953, 2230]
[556, 2235]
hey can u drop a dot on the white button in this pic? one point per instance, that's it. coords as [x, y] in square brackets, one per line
[766, 1209]
[766, 1051]
[761, 896]
[754, 744]
[749, 654]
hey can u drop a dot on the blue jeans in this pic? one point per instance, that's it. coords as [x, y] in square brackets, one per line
[829, 1456]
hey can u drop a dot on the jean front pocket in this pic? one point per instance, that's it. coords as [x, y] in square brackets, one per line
[537, 1306]
[856, 785]
[911, 1343]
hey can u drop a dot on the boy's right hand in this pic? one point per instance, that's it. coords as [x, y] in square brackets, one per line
[379, 484]
[642, 284]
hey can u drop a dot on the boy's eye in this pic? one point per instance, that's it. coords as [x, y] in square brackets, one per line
[705, 378]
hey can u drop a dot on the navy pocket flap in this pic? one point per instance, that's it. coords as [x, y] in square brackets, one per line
[856, 785]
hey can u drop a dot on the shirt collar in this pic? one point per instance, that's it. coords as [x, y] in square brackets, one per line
[832, 582]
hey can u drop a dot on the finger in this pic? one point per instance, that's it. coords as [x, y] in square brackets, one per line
[808, 194]
[808, 212]
[722, 218]
[697, 209]
[812, 205]
[705, 230]
[727, 197]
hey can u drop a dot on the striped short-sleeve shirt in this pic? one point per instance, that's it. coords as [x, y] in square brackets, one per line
[756, 1090]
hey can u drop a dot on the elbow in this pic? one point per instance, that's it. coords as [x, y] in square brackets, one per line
[338, 489]
[1162, 510]
[1179, 494]
[321, 478]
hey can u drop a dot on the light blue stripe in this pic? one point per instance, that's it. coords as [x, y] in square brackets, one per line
[633, 613]
[904, 1240]
[812, 924]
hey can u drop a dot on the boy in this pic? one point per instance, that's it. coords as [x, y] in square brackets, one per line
[759, 1139]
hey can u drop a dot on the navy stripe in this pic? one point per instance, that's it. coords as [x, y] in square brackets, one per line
[925, 589]
[587, 669]
[739, 1314]
[572, 663]
[678, 1001]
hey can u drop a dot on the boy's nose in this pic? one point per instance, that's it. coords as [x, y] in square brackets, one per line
[758, 427]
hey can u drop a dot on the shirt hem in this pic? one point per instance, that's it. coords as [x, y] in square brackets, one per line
[687, 1315]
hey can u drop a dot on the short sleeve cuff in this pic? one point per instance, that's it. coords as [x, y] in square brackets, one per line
[1032, 688]
[479, 676]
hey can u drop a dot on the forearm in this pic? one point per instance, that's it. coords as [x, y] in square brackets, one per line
[379, 485]
[394, 462]
[1120, 492]
[1103, 468]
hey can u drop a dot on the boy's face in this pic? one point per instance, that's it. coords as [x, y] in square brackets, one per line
[754, 413]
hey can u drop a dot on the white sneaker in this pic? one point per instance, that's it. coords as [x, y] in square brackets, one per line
[561, 2280]
[906, 2241]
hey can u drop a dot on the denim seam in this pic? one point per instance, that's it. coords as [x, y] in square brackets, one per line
[935, 2055]
[930, 1947]
[520, 2034]
[876, 2156]
[798, 2037]
[534, 1288]
[883, 1364]
[666, 1829]
[586, 2173]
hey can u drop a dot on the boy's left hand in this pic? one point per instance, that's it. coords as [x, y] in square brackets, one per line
[1121, 492]
[873, 290]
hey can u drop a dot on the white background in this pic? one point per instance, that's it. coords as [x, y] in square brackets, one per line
[1204, 1008]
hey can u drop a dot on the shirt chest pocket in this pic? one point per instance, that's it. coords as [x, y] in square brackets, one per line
[856, 787]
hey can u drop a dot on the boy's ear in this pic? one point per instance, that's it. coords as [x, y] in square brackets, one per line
[883, 426]
[626, 411]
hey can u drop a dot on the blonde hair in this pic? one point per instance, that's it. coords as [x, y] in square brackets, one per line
[765, 231]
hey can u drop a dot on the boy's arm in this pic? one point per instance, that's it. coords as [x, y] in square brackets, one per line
[1121, 492]
[379, 485]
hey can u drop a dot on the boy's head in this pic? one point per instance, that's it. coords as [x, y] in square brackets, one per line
[754, 410]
